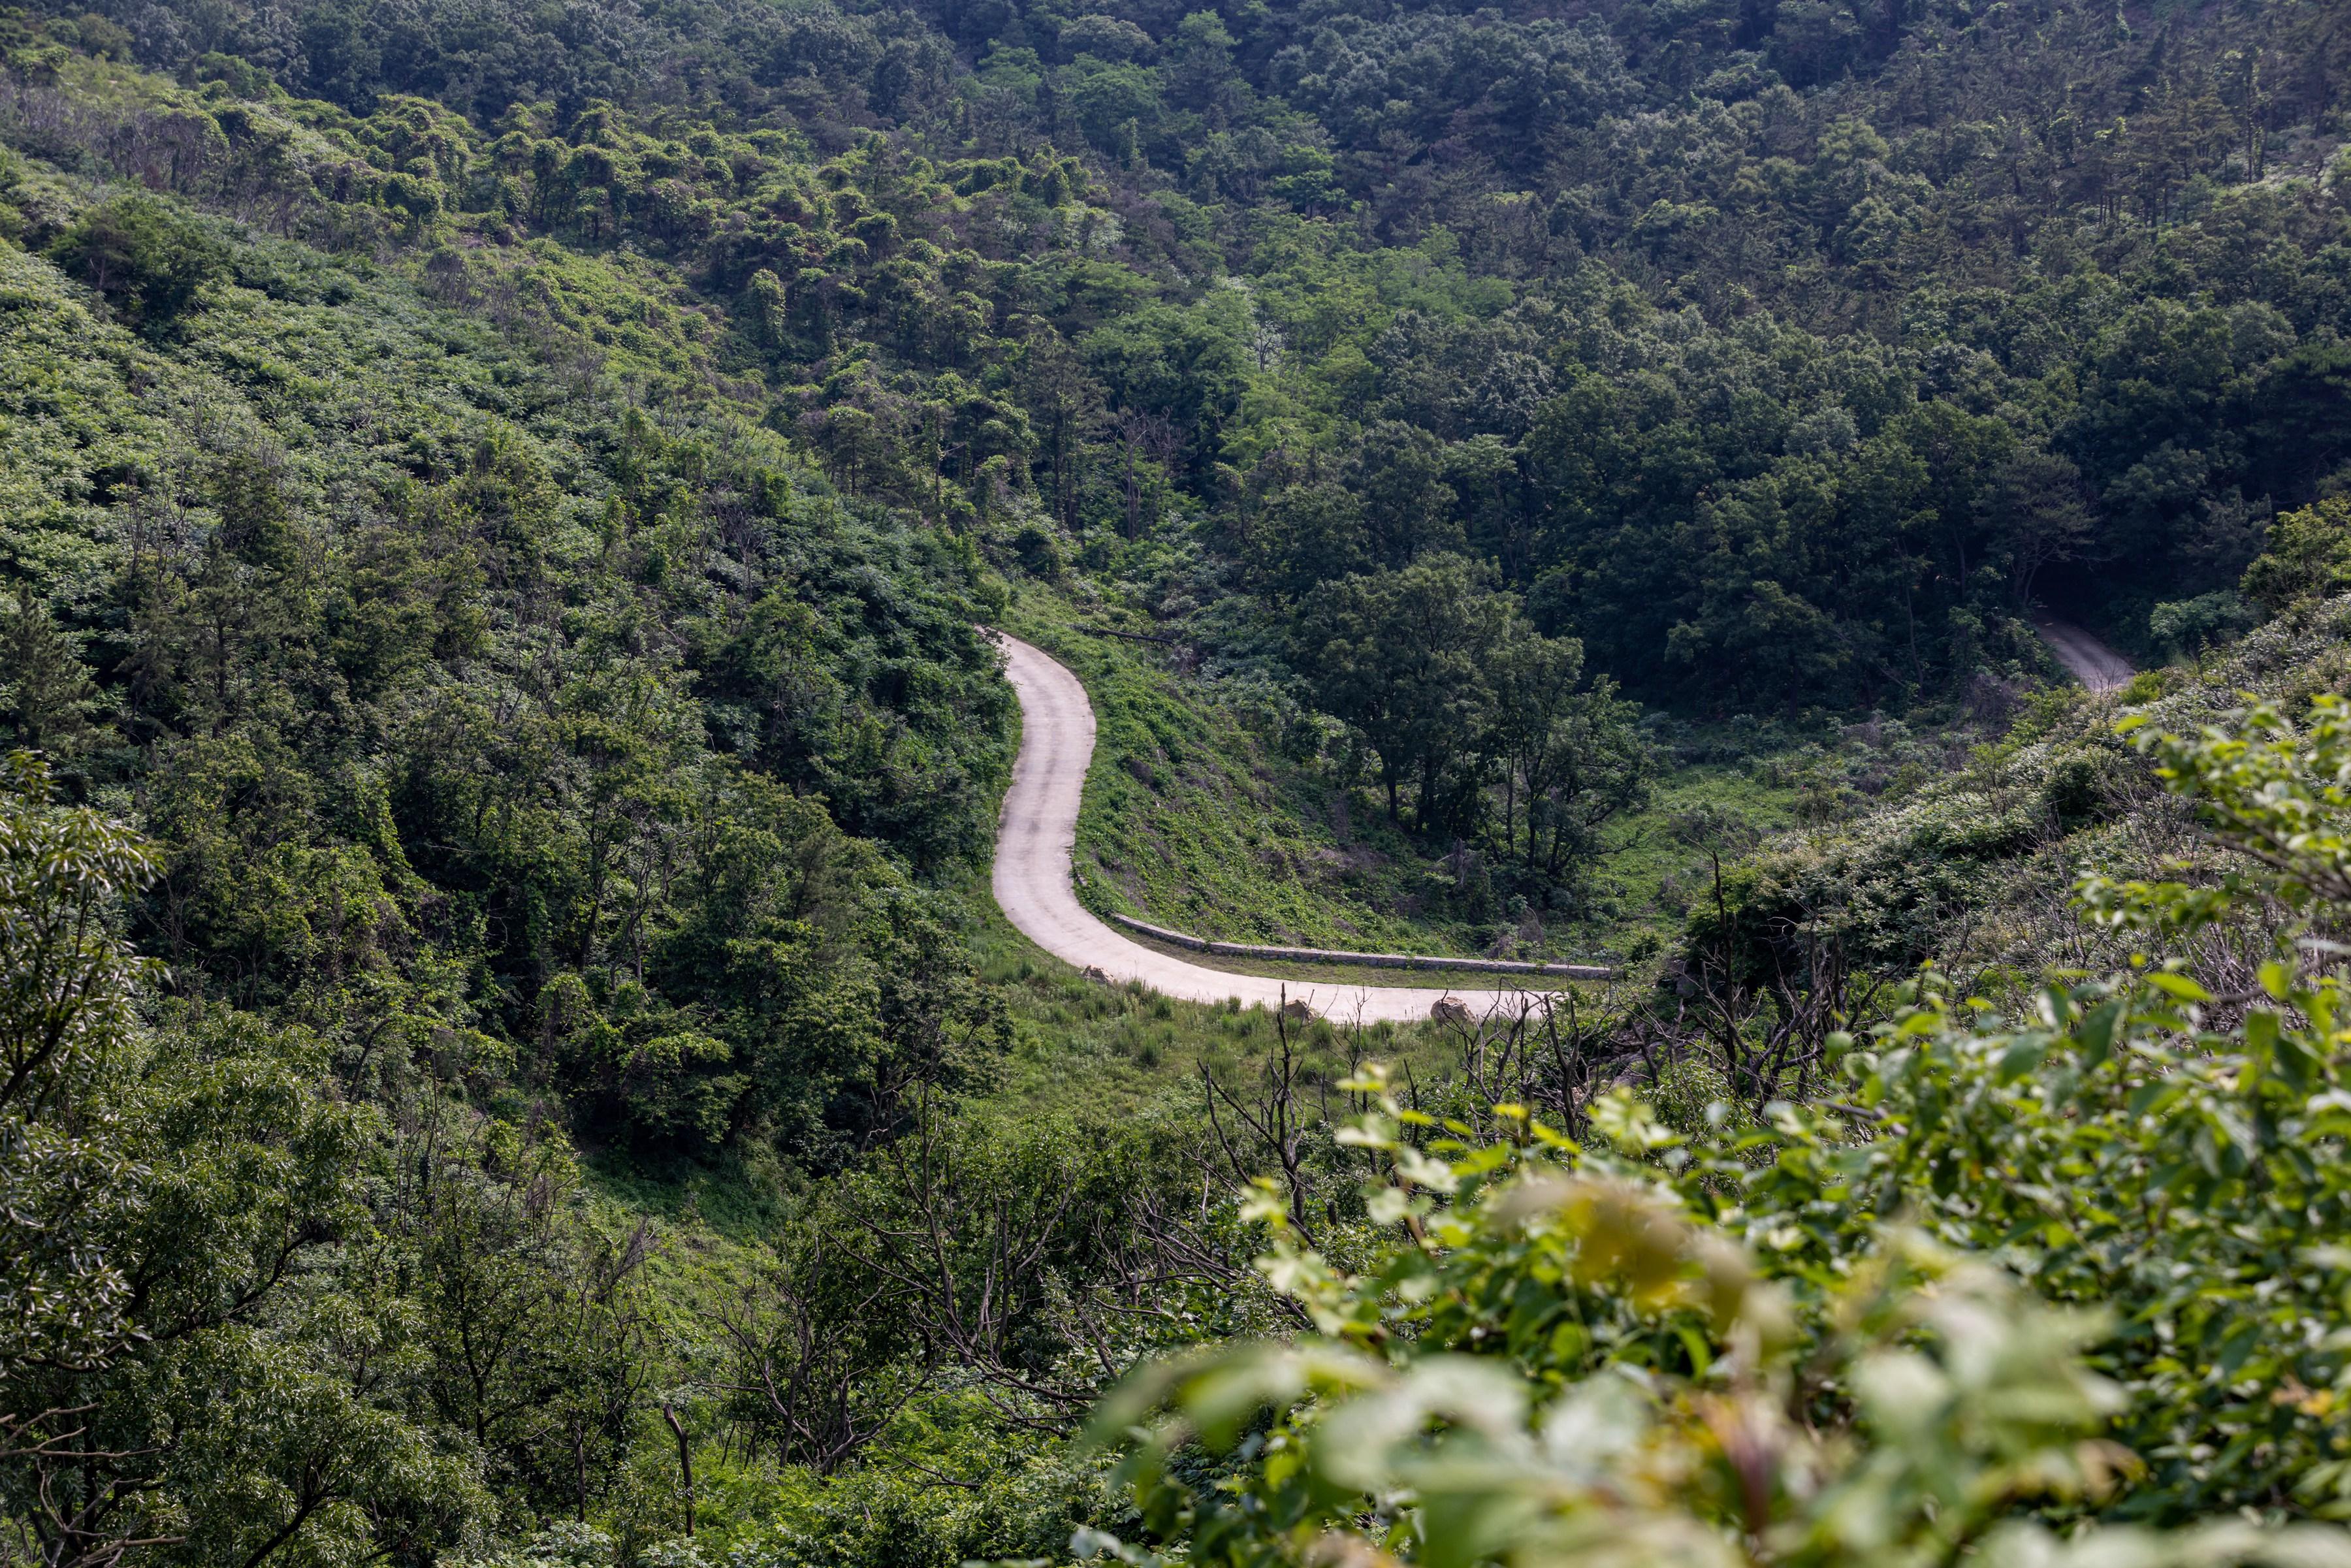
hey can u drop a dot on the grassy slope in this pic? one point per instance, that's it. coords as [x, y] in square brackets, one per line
[1975, 866]
[1100, 1053]
[1654, 866]
[1190, 820]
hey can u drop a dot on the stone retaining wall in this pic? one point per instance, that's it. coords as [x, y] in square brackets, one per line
[1368, 960]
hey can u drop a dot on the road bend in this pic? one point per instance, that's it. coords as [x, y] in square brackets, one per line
[1033, 878]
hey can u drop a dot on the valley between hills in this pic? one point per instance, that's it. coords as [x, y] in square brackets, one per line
[709, 712]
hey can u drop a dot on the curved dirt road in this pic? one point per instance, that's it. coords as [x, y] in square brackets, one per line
[1033, 868]
[2085, 658]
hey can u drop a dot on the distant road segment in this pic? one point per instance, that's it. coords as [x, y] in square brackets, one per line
[2085, 658]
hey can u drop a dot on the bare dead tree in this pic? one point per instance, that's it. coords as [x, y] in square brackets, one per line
[685, 1460]
[805, 1376]
[1768, 1033]
[1149, 1259]
[1270, 1125]
[1547, 1051]
[963, 1259]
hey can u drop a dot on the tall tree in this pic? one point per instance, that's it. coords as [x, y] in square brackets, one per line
[1404, 656]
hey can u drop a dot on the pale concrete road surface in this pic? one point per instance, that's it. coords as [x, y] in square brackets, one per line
[2085, 658]
[1034, 846]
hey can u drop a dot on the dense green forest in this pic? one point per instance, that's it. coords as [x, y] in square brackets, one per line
[506, 1056]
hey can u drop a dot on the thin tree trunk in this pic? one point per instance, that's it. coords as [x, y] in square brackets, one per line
[685, 1463]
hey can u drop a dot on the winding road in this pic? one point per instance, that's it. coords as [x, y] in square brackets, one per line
[1039, 829]
[1034, 846]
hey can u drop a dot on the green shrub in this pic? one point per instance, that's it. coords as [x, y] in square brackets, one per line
[2308, 556]
[2189, 626]
[147, 260]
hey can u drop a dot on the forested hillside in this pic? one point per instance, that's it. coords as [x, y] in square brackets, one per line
[505, 1055]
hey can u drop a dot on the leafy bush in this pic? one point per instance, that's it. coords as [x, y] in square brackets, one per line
[2308, 556]
[2187, 625]
[2079, 1262]
[148, 260]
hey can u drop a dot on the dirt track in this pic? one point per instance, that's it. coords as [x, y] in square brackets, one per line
[1032, 870]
